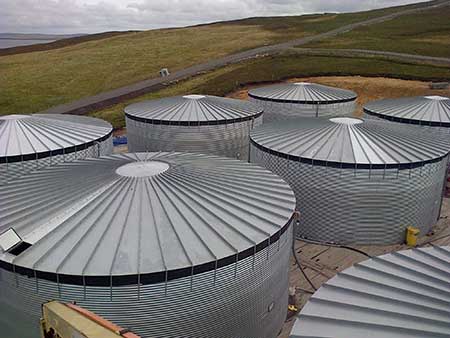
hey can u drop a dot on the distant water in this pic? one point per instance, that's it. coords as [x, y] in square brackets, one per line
[8, 43]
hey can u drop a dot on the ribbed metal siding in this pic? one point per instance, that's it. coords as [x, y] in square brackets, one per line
[437, 130]
[233, 301]
[231, 140]
[9, 171]
[363, 206]
[279, 111]
[444, 130]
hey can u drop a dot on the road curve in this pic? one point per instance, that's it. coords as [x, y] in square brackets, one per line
[91, 103]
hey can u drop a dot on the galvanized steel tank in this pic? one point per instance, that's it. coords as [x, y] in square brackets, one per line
[430, 112]
[30, 142]
[302, 99]
[192, 123]
[356, 181]
[405, 294]
[167, 244]
[433, 111]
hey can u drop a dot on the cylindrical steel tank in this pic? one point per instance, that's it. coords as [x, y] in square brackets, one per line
[431, 112]
[192, 123]
[166, 244]
[356, 181]
[30, 142]
[404, 294]
[302, 99]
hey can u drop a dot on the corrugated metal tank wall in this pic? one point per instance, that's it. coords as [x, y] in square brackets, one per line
[280, 111]
[442, 130]
[13, 170]
[231, 139]
[363, 206]
[243, 300]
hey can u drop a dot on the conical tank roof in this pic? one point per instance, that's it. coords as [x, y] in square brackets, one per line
[404, 294]
[151, 216]
[425, 110]
[303, 92]
[193, 110]
[26, 137]
[349, 141]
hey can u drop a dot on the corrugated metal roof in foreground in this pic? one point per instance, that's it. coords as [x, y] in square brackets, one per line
[144, 213]
[398, 295]
[193, 109]
[350, 141]
[303, 92]
[41, 135]
[426, 110]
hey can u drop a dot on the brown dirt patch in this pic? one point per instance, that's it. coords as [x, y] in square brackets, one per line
[367, 88]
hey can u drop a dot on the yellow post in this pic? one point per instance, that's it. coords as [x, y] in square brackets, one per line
[412, 234]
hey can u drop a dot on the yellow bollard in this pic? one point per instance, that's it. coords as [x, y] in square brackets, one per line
[292, 308]
[412, 234]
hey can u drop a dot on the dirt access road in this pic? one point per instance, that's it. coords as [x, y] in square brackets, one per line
[102, 100]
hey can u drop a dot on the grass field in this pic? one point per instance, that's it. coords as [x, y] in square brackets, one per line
[32, 82]
[231, 78]
[425, 33]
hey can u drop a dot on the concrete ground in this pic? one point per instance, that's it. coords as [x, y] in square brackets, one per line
[322, 262]
[120, 149]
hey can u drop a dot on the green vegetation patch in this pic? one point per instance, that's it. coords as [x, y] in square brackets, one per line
[317, 23]
[36, 81]
[230, 78]
[424, 33]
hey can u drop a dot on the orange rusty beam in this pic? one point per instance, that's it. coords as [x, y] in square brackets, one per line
[102, 321]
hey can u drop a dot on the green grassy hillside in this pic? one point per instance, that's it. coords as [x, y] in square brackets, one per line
[70, 41]
[288, 65]
[425, 33]
[35, 81]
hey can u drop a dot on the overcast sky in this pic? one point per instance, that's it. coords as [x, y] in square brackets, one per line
[89, 16]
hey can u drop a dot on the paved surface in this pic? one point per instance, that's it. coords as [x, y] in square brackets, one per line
[91, 103]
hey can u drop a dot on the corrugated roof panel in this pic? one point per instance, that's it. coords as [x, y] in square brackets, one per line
[33, 135]
[192, 109]
[142, 213]
[350, 141]
[428, 110]
[398, 295]
[303, 92]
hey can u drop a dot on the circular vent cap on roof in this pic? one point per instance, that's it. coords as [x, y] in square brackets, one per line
[144, 213]
[377, 144]
[427, 110]
[194, 109]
